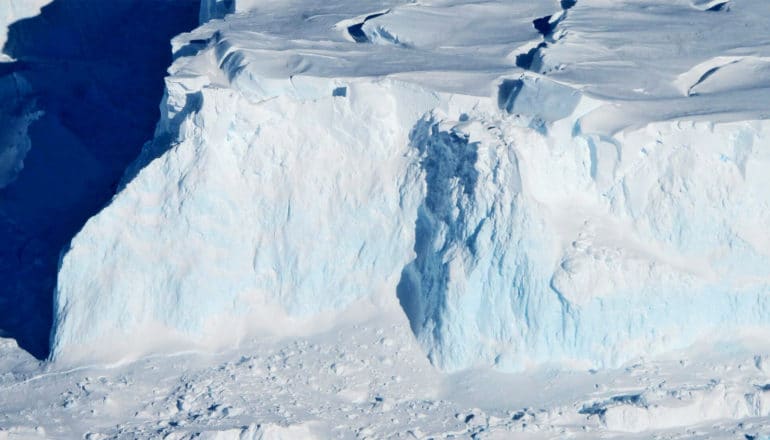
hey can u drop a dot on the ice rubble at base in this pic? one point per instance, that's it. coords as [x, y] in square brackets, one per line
[517, 219]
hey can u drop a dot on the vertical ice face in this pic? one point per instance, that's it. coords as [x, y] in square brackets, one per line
[477, 289]
[529, 251]
[298, 173]
[90, 76]
[260, 210]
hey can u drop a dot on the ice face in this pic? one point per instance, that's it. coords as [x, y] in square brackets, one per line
[260, 201]
[524, 256]
[518, 217]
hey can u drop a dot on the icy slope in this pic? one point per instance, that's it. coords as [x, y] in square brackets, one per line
[537, 192]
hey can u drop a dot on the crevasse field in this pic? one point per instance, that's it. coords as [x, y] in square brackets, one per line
[378, 219]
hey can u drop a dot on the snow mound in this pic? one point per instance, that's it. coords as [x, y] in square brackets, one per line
[313, 164]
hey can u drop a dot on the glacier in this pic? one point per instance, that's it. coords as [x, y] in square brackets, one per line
[603, 201]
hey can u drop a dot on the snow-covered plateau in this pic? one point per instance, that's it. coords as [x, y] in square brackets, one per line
[423, 219]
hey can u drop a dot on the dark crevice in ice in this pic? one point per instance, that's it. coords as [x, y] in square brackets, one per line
[356, 31]
[546, 26]
[526, 59]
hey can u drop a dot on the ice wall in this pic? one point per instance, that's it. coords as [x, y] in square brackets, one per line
[313, 164]
[248, 204]
[535, 248]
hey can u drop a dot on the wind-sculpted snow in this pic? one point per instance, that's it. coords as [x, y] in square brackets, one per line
[315, 163]
[247, 220]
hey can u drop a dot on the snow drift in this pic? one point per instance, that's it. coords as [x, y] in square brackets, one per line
[314, 163]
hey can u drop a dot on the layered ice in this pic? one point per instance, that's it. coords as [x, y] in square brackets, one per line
[314, 163]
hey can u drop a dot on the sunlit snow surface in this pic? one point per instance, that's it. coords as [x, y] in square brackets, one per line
[608, 203]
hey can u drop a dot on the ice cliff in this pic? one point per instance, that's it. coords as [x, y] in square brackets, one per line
[547, 190]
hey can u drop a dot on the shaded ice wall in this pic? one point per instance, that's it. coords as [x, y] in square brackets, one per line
[80, 96]
[518, 221]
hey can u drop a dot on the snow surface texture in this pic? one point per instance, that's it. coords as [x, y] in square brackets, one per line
[373, 381]
[547, 190]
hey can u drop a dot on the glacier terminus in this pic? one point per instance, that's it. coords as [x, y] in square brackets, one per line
[523, 219]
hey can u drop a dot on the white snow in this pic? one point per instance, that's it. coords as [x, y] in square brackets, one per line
[314, 162]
